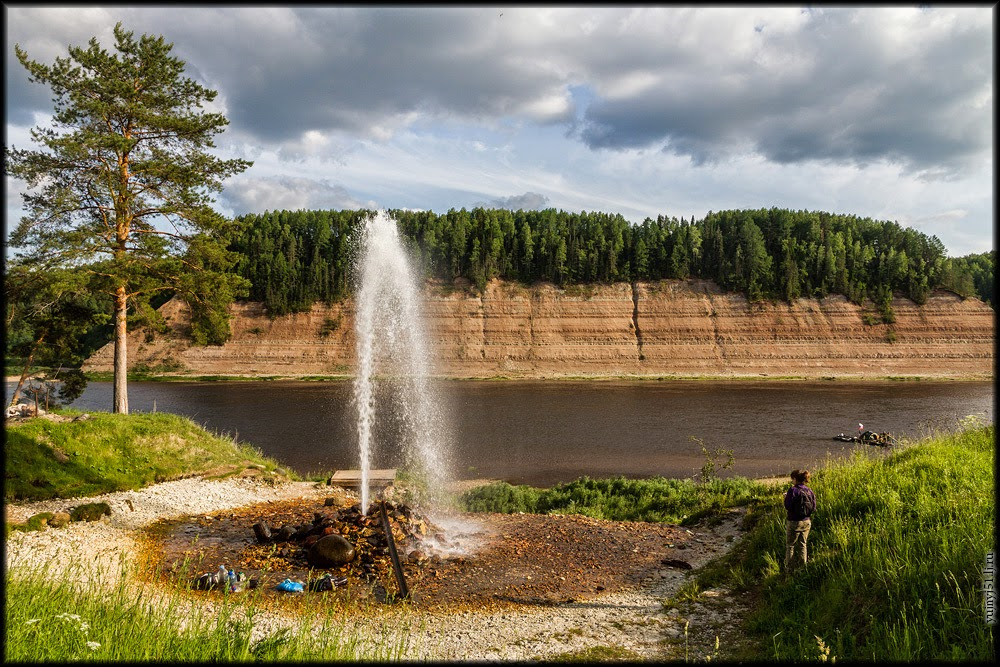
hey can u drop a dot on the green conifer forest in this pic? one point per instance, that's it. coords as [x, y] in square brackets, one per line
[295, 258]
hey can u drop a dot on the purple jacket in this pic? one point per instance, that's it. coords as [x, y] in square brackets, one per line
[791, 503]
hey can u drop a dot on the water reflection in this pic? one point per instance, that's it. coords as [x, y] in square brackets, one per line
[542, 432]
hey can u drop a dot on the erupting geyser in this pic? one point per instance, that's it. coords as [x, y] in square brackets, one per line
[391, 349]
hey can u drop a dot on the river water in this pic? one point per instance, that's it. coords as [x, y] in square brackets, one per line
[545, 432]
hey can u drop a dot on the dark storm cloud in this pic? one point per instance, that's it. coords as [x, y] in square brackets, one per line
[24, 98]
[841, 85]
[356, 70]
[844, 93]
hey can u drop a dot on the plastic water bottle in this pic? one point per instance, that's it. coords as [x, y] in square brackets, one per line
[222, 576]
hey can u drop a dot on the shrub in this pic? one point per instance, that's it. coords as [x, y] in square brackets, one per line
[90, 512]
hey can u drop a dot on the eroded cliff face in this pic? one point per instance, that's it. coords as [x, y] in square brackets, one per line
[679, 328]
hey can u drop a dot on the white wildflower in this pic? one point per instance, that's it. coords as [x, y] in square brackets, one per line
[93, 646]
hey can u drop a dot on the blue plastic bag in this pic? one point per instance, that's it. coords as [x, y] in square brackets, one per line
[290, 586]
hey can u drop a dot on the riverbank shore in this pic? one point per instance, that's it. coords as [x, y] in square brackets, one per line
[885, 536]
[929, 377]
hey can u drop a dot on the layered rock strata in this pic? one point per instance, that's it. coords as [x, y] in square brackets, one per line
[672, 328]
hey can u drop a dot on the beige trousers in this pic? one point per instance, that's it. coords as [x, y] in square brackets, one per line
[796, 534]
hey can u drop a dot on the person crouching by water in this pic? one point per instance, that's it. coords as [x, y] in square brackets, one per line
[800, 503]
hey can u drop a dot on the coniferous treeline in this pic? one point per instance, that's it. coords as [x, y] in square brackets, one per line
[295, 258]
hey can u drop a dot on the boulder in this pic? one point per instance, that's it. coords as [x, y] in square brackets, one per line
[262, 532]
[331, 551]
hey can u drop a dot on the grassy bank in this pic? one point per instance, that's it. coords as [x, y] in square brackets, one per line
[657, 499]
[897, 552]
[49, 620]
[107, 452]
[897, 549]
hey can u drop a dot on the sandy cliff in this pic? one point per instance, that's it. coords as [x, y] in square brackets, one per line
[682, 328]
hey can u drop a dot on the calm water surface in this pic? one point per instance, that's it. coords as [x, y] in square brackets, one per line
[544, 432]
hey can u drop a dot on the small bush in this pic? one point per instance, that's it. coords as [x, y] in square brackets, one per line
[36, 522]
[618, 499]
[90, 512]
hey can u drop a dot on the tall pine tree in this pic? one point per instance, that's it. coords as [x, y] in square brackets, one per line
[124, 180]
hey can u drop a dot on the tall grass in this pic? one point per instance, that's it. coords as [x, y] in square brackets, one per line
[619, 499]
[48, 619]
[111, 452]
[897, 552]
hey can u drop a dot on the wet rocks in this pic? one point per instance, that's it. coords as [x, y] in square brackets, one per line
[262, 532]
[345, 540]
[677, 562]
[331, 551]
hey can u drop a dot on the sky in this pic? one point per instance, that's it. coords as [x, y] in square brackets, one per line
[877, 111]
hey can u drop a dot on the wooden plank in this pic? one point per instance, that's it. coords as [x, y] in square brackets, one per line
[353, 477]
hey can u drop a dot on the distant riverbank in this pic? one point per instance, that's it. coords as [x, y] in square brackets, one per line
[178, 377]
[668, 329]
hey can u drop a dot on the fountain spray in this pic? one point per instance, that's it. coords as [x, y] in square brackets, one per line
[391, 348]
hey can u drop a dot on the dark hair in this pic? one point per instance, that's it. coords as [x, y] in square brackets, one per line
[800, 476]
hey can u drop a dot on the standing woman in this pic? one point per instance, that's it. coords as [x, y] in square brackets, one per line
[800, 503]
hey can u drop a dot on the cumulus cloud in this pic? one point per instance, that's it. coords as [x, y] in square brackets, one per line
[255, 195]
[882, 111]
[911, 88]
[908, 85]
[529, 201]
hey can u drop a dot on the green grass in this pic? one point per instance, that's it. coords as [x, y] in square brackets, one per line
[48, 620]
[596, 654]
[109, 452]
[896, 558]
[619, 499]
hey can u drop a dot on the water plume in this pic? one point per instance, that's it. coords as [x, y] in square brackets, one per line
[392, 351]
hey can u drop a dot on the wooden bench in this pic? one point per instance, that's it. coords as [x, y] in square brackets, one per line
[352, 478]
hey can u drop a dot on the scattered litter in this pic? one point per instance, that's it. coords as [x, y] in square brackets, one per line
[290, 586]
[324, 583]
[223, 578]
[327, 583]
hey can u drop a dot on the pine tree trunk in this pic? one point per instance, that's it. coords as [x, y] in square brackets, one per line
[26, 370]
[121, 353]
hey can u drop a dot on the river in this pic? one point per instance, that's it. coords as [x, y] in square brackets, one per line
[545, 432]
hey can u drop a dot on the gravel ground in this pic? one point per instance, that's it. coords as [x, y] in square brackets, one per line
[633, 621]
[104, 546]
